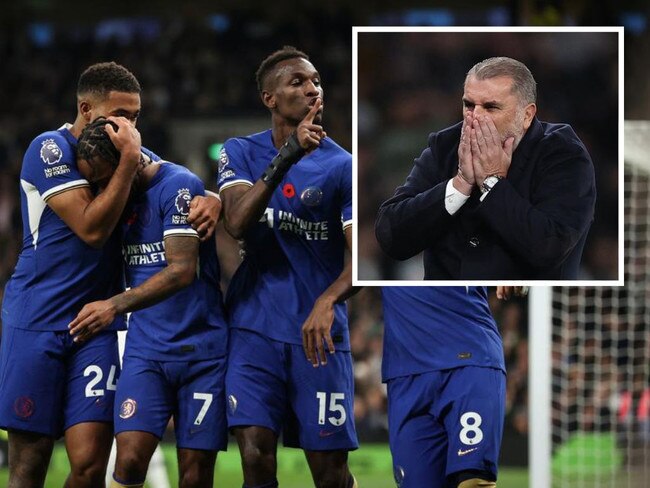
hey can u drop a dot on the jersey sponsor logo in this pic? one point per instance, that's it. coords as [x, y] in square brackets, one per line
[24, 407]
[311, 196]
[145, 253]
[466, 451]
[311, 231]
[51, 153]
[232, 403]
[128, 408]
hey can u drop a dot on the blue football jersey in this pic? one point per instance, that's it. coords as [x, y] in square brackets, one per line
[190, 324]
[57, 273]
[297, 249]
[436, 327]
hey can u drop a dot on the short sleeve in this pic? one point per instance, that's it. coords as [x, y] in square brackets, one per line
[152, 155]
[233, 169]
[346, 192]
[175, 200]
[50, 165]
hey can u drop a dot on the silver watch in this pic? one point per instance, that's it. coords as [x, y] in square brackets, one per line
[489, 182]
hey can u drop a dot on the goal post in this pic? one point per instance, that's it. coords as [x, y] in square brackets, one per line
[539, 386]
[589, 372]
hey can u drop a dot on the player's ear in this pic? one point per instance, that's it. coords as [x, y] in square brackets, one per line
[268, 99]
[85, 109]
[529, 113]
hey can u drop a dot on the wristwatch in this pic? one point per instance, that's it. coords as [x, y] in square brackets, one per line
[489, 182]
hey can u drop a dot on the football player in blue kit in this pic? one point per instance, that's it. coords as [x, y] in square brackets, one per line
[50, 386]
[174, 360]
[444, 368]
[287, 195]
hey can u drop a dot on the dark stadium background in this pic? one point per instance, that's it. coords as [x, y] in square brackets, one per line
[196, 64]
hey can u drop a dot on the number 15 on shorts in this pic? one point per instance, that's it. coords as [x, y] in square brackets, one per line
[336, 410]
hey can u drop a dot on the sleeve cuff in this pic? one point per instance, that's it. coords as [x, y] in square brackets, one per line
[454, 199]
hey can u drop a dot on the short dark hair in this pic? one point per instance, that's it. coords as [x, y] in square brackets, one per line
[523, 83]
[102, 78]
[287, 52]
[94, 142]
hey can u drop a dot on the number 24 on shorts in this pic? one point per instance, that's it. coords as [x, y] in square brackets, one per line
[97, 375]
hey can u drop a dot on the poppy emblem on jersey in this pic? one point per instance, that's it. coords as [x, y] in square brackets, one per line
[311, 196]
[183, 200]
[128, 408]
[288, 190]
[24, 407]
[50, 152]
[132, 219]
[223, 160]
[232, 403]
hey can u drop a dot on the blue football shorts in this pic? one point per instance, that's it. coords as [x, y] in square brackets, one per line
[48, 383]
[272, 384]
[150, 392]
[444, 422]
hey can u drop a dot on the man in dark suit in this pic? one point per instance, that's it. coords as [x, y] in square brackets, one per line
[501, 195]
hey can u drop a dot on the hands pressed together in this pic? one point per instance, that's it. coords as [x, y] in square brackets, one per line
[481, 153]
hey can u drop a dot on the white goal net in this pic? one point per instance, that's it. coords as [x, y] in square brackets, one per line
[598, 412]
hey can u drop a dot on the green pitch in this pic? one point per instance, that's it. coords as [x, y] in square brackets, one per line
[371, 465]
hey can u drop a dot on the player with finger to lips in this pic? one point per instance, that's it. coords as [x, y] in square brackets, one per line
[286, 195]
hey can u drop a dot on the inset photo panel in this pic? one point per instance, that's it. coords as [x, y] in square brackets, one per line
[488, 155]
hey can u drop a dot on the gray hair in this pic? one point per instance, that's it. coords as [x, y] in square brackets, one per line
[523, 83]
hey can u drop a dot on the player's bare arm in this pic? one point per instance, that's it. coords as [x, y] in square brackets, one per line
[181, 253]
[317, 327]
[204, 214]
[244, 205]
[93, 218]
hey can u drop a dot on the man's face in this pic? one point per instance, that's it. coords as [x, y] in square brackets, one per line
[494, 97]
[292, 88]
[117, 104]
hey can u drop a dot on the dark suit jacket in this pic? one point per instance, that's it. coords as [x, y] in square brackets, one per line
[531, 226]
